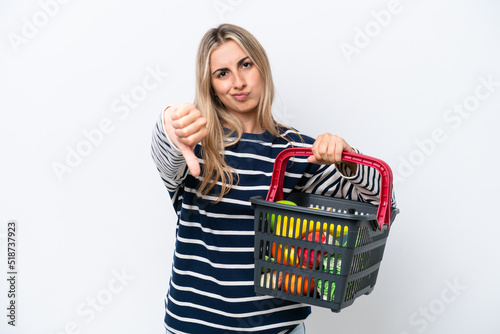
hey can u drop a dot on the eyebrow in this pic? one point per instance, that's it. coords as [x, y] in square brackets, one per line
[226, 69]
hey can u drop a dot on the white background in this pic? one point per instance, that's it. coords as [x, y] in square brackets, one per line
[65, 70]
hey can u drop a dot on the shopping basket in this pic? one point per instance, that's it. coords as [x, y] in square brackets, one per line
[324, 251]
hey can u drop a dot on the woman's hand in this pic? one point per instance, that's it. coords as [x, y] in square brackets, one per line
[186, 127]
[328, 148]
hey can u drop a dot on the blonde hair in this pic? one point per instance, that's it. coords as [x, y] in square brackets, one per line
[215, 167]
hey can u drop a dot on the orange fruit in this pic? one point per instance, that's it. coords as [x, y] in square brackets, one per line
[289, 259]
[290, 284]
[287, 282]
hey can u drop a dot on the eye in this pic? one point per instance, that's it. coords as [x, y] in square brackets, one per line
[246, 65]
[221, 74]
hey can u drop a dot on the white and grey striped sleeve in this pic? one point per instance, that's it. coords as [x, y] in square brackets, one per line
[365, 185]
[168, 159]
[339, 181]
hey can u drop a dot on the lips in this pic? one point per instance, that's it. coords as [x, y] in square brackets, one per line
[240, 96]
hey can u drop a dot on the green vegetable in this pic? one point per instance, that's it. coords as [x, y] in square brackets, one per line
[323, 288]
[332, 263]
[267, 258]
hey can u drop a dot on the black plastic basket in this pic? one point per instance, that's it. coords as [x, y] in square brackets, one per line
[324, 251]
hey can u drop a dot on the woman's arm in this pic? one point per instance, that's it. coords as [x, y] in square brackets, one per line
[328, 149]
[341, 178]
[185, 127]
[177, 130]
[168, 159]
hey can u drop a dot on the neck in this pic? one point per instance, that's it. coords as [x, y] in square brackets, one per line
[249, 123]
[257, 129]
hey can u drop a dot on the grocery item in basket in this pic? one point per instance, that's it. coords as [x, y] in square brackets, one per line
[323, 288]
[286, 202]
[276, 284]
[331, 268]
[279, 217]
[290, 284]
[291, 227]
[308, 262]
[335, 239]
[267, 258]
[289, 256]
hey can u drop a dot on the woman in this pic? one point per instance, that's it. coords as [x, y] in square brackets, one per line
[213, 156]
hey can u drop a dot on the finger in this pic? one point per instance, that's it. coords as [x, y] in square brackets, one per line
[323, 151]
[331, 152]
[312, 159]
[180, 110]
[191, 160]
[194, 139]
[316, 157]
[328, 146]
[339, 148]
[198, 126]
[186, 119]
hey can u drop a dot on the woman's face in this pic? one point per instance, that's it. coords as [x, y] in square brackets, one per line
[236, 80]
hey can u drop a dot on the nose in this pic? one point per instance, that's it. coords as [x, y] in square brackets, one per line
[239, 81]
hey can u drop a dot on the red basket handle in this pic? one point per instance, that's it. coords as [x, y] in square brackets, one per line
[384, 209]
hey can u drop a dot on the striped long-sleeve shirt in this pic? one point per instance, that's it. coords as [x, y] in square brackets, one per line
[211, 286]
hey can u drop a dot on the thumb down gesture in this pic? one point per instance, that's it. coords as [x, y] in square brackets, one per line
[186, 127]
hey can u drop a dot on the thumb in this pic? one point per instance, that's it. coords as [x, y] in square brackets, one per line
[312, 159]
[191, 159]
